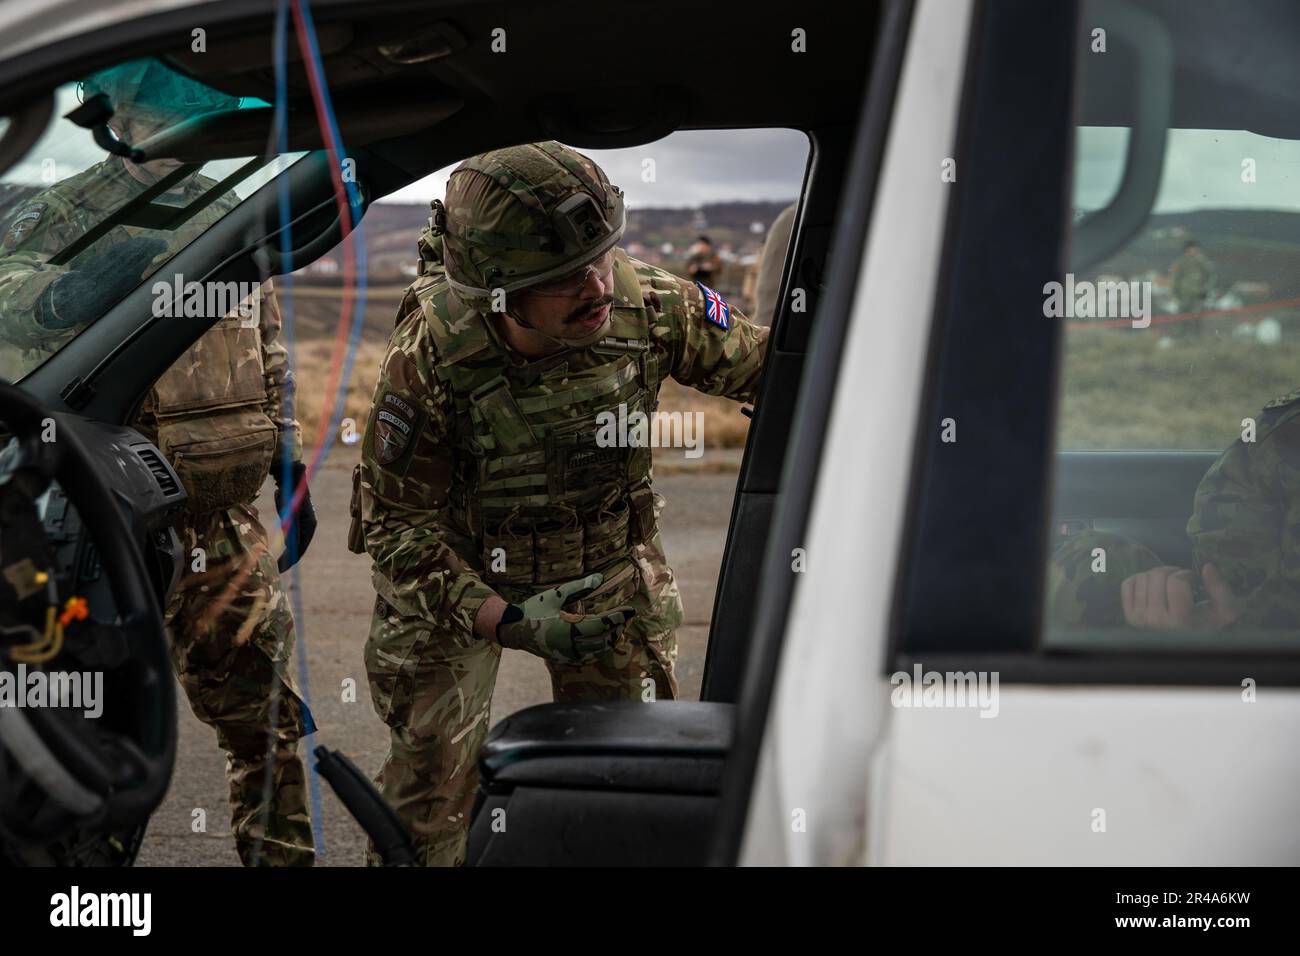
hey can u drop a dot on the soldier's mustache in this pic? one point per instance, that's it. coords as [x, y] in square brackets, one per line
[587, 312]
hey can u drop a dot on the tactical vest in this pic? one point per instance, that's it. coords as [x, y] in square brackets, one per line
[543, 500]
[209, 414]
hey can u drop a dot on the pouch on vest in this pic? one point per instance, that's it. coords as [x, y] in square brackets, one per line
[211, 422]
[221, 458]
[356, 531]
[508, 553]
[641, 501]
[605, 536]
[574, 459]
[557, 549]
[510, 428]
[223, 369]
[616, 590]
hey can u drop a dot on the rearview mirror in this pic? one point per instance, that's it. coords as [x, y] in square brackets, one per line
[1130, 85]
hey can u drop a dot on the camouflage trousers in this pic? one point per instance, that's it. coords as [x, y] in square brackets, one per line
[1189, 328]
[434, 690]
[1084, 576]
[232, 632]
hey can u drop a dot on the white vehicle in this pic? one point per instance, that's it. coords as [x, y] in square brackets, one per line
[886, 683]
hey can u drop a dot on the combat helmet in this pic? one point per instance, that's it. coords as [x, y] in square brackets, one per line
[150, 87]
[523, 215]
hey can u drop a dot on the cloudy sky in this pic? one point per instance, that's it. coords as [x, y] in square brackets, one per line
[689, 168]
[1203, 170]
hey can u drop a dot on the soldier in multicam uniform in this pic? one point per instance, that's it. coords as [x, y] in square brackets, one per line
[703, 262]
[216, 415]
[1245, 532]
[1192, 279]
[493, 514]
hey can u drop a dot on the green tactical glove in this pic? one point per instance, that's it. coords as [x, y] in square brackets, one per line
[540, 627]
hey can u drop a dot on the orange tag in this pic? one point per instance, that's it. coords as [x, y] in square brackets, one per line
[74, 610]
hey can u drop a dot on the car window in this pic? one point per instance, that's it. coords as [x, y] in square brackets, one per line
[80, 227]
[1176, 521]
[1192, 320]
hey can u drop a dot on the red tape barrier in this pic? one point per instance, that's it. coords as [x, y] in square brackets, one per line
[1183, 316]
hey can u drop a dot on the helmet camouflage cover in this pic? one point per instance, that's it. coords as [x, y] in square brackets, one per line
[526, 214]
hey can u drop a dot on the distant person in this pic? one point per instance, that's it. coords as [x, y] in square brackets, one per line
[703, 262]
[1192, 279]
[771, 262]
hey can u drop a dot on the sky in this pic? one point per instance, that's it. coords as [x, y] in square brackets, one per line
[1202, 170]
[690, 167]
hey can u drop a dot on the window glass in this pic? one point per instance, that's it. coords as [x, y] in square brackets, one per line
[1176, 521]
[1214, 269]
[81, 227]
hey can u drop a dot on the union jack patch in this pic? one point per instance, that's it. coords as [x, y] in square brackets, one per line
[716, 309]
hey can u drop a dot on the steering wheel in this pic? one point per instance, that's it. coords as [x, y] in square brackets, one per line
[62, 773]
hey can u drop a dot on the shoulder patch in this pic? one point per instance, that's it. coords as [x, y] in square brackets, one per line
[397, 426]
[716, 309]
[24, 223]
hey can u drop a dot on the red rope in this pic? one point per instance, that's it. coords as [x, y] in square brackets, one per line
[314, 80]
[1183, 316]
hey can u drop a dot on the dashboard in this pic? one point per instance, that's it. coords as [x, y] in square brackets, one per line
[151, 498]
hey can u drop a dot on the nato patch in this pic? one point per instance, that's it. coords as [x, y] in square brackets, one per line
[397, 425]
[24, 223]
[716, 309]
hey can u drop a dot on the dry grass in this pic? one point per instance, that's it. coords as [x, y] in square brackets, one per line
[313, 365]
[1121, 390]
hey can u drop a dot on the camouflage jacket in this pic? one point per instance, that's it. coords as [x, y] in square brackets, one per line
[1246, 518]
[238, 362]
[1192, 278]
[427, 562]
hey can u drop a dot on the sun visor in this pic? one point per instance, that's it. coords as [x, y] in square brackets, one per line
[231, 134]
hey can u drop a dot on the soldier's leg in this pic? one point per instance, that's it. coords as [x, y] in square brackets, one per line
[232, 633]
[435, 694]
[1084, 576]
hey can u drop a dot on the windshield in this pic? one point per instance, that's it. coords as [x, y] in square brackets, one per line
[80, 227]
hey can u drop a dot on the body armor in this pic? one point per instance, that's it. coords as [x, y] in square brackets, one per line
[542, 501]
[208, 414]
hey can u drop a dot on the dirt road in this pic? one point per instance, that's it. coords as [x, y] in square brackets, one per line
[337, 600]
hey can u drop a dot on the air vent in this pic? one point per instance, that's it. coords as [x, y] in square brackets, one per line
[161, 473]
